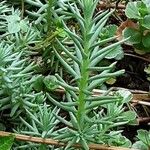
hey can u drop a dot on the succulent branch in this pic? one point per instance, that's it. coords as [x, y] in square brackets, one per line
[86, 124]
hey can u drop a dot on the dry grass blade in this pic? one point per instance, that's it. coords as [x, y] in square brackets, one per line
[137, 94]
[49, 141]
[103, 5]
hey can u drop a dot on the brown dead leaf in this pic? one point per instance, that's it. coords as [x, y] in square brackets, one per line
[125, 24]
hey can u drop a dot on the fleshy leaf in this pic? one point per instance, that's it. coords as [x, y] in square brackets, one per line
[146, 21]
[116, 53]
[147, 3]
[145, 40]
[130, 116]
[38, 84]
[6, 142]
[144, 136]
[132, 11]
[147, 70]
[119, 140]
[50, 82]
[140, 146]
[126, 95]
[13, 27]
[135, 36]
[108, 31]
[23, 26]
[13, 23]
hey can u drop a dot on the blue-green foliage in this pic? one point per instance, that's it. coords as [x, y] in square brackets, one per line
[140, 36]
[27, 94]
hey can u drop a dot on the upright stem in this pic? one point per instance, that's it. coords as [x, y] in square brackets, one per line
[83, 82]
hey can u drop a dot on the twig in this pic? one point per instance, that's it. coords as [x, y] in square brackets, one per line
[56, 143]
[141, 102]
[139, 57]
[138, 95]
[143, 120]
[104, 5]
[132, 91]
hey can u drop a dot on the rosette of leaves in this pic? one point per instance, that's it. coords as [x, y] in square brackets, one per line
[3, 9]
[143, 142]
[48, 83]
[45, 10]
[16, 80]
[91, 119]
[12, 22]
[22, 33]
[40, 123]
[45, 17]
[19, 31]
[140, 36]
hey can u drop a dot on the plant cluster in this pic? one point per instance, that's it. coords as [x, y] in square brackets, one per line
[85, 124]
[140, 33]
[143, 140]
[41, 46]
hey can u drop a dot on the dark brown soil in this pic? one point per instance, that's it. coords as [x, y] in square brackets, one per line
[134, 77]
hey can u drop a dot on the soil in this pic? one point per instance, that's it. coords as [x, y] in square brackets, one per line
[131, 131]
[134, 77]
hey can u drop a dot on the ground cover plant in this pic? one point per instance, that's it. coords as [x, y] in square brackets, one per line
[144, 140]
[67, 45]
[138, 11]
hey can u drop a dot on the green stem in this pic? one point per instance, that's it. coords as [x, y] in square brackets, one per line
[83, 83]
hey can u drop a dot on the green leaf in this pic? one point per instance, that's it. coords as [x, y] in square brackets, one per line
[13, 27]
[111, 81]
[130, 116]
[38, 85]
[13, 18]
[99, 26]
[84, 144]
[147, 70]
[119, 140]
[142, 8]
[140, 145]
[144, 136]
[13, 23]
[6, 142]
[67, 52]
[146, 40]
[116, 53]
[132, 11]
[66, 65]
[141, 49]
[126, 95]
[23, 26]
[104, 51]
[50, 82]
[62, 33]
[146, 22]
[108, 32]
[135, 36]
[148, 78]
[147, 3]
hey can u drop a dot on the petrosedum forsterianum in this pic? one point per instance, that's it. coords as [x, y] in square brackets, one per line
[16, 91]
[91, 118]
